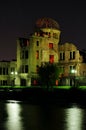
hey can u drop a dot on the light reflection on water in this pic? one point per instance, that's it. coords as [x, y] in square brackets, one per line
[14, 121]
[24, 116]
[74, 118]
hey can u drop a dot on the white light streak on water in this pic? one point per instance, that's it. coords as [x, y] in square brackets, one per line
[74, 118]
[14, 121]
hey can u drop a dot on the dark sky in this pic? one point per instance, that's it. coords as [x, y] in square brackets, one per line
[17, 18]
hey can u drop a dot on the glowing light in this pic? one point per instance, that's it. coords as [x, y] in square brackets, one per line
[14, 73]
[73, 71]
[11, 72]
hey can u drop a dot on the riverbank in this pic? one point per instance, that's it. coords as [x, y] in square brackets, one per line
[40, 96]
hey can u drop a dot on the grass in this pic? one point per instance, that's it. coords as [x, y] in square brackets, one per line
[82, 87]
[62, 87]
[55, 87]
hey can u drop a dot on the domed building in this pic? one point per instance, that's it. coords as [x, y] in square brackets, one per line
[40, 48]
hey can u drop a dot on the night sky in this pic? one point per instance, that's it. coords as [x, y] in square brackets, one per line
[17, 19]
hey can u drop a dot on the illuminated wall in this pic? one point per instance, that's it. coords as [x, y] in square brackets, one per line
[7, 72]
[71, 61]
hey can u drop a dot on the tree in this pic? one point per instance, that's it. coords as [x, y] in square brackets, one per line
[48, 74]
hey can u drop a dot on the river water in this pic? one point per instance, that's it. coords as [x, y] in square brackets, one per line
[19, 115]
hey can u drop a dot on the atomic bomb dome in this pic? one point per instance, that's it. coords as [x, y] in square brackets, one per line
[47, 23]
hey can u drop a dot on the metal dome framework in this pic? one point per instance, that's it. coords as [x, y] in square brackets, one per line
[47, 23]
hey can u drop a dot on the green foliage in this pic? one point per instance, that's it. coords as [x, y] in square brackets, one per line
[48, 74]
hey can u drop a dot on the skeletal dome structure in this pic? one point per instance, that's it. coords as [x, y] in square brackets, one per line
[46, 22]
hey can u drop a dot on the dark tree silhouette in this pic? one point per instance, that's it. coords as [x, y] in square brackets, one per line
[48, 74]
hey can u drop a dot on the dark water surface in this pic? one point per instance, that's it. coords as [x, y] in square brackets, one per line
[19, 115]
